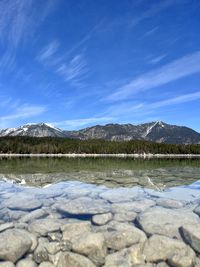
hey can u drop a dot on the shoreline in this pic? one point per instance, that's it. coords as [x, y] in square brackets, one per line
[103, 155]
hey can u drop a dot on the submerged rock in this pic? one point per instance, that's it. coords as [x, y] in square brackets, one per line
[24, 204]
[101, 219]
[26, 263]
[14, 244]
[44, 226]
[70, 259]
[84, 205]
[165, 221]
[191, 234]
[123, 238]
[6, 264]
[91, 245]
[161, 248]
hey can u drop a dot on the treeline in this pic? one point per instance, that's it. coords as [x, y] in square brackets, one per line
[48, 145]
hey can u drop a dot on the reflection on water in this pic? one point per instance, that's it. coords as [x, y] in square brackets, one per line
[152, 173]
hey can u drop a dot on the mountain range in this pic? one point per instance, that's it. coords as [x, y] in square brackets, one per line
[153, 131]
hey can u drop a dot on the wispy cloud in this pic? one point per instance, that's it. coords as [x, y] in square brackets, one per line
[75, 70]
[19, 20]
[24, 111]
[77, 123]
[140, 109]
[48, 52]
[153, 10]
[175, 70]
[156, 60]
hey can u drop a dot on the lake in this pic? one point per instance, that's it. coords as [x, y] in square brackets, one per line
[100, 212]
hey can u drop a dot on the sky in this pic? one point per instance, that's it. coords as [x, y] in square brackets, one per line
[80, 63]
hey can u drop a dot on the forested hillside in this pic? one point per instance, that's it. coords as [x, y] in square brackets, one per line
[60, 145]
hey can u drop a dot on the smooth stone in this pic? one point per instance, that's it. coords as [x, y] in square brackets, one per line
[6, 264]
[36, 214]
[158, 220]
[54, 236]
[101, 219]
[136, 206]
[197, 262]
[15, 215]
[40, 253]
[46, 264]
[117, 259]
[197, 210]
[123, 238]
[6, 226]
[44, 226]
[26, 263]
[122, 194]
[14, 244]
[84, 205]
[191, 234]
[91, 245]
[127, 257]
[162, 264]
[170, 203]
[73, 231]
[24, 204]
[128, 216]
[161, 248]
[70, 259]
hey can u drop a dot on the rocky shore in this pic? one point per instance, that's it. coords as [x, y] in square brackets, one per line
[72, 224]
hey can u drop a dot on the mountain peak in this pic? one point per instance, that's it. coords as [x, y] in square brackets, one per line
[157, 131]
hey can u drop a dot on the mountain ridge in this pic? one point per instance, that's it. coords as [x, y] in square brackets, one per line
[157, 131]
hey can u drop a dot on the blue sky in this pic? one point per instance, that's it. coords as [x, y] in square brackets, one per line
[85, 62]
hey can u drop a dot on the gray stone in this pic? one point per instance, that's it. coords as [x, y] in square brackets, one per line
[44, 226]
[117, 259]
[158, 220]
[191, 234]
[127, 216]
[36, 214]
[122, 238]
[73, 231]
[162, 264]
[6, 226]
[161, 248]
[91, 245]
[169, 203]
[122, 194]
[197, 210]
[74, 260]
[101, 219]
[40, 253]
[46, 264]
[26, 263]
[136, 206]
[24, 204]
[127, 257]
[83, 205]
[14, 244]
[6, 264]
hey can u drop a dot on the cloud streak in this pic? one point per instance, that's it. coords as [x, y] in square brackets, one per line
[75, 71]
[77, 123]
[23, 112]
[139, 109]
[48, 52]
[170, 72]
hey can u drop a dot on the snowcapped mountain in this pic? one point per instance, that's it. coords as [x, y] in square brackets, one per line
[34, 130]
[154, 131]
